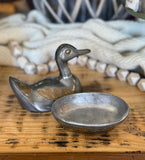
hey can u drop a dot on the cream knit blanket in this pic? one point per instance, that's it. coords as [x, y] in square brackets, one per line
[120, 42]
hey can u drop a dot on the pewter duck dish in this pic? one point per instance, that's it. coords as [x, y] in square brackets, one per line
[90, 112]
[38, 97]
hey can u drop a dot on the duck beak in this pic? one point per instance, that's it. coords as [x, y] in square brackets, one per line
[83, 51]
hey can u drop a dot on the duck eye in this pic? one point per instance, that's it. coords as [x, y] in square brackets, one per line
[68, 51]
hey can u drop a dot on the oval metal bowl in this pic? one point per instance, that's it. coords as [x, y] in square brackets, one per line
[90, 111]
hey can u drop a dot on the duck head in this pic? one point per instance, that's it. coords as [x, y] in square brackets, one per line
[66, 52]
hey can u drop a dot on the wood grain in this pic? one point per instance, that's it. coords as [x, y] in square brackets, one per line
[22, 131]
[7, 8]
[73, 156]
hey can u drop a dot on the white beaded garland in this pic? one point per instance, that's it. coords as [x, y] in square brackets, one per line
[133, 78]
[82, 60]
[52, 66]
[17, 51]
[22, 61]
[30, 68]
[101, 67]
[12, 44]
[141, 85]
[42, 69]
[122, 74]
[91, 64]
[111, 70]
[15, 48]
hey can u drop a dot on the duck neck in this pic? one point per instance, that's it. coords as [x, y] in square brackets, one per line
[64, 70]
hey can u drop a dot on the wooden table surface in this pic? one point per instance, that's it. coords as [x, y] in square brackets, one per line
[26, 135]
[7, 8]
[23, 133]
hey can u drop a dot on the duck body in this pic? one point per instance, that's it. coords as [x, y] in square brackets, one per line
[39, 96]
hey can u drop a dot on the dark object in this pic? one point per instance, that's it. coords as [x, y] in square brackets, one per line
[65, 11]
[90, 112]
[136, 9]
[38, 97]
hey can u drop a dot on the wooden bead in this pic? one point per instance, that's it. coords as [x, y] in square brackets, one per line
[141, 85]
[15, 48]
[122, 74]
[111, 70]
[42, 69]
[133, 78]
[72, 61]
[30, 68]
[22, 61]
[12, 44]
[82, 60]
[101, 67]
[17, 51]
[52, 66]
[91, 64]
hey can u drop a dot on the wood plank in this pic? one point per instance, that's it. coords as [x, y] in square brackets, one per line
[7, 8]
[24, 132]
[73, 156]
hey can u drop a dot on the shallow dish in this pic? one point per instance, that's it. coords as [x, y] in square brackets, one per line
[90, 111]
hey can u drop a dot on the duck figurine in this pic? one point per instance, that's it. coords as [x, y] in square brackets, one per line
[39, 96]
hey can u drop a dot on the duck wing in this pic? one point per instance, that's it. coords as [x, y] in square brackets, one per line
[28, 98]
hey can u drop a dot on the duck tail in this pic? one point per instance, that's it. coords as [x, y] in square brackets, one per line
[22, 91]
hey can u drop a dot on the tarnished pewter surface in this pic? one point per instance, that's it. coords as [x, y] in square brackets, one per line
[90, 111]
[38, 97]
